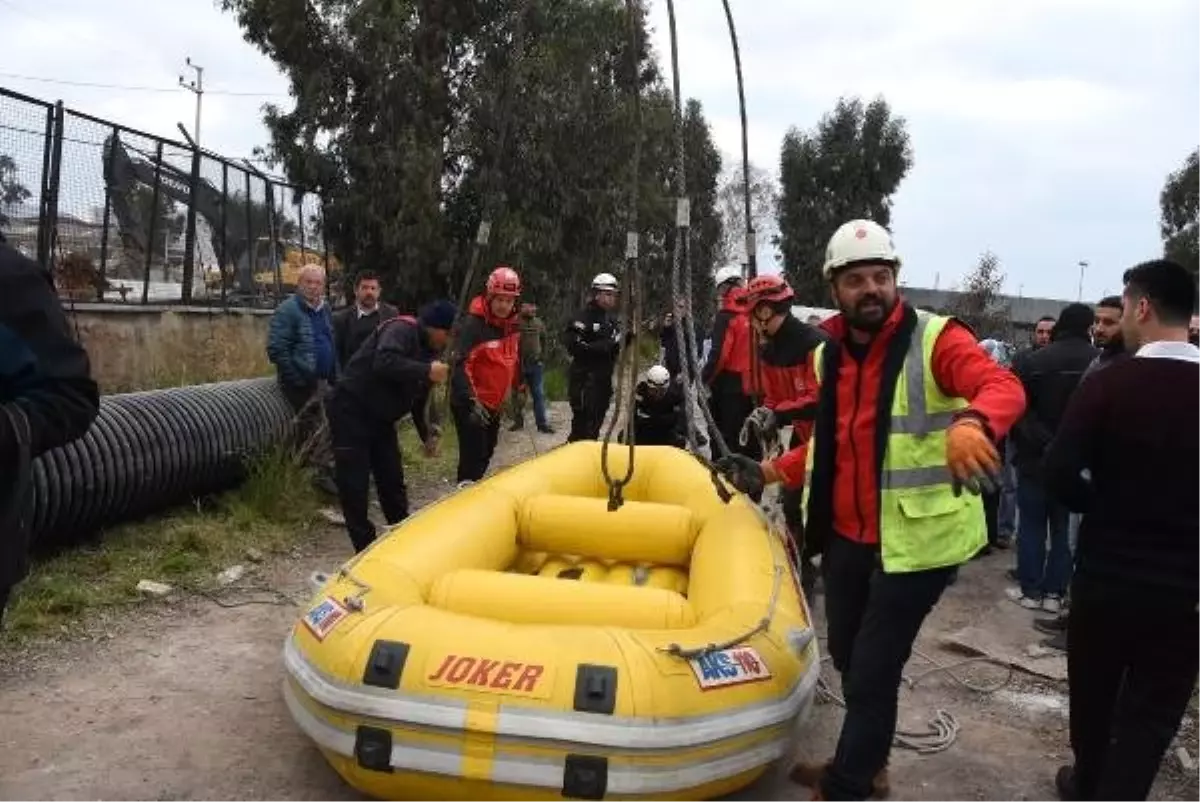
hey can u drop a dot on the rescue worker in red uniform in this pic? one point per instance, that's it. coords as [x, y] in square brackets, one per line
[486, 369]
[789, 398]
[726, 372]
[909, 412]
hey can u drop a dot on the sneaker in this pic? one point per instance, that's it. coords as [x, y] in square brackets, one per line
[547, 429]
[1018, 596]
[1052, 603]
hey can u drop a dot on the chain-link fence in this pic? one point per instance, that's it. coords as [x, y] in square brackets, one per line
[123, 216]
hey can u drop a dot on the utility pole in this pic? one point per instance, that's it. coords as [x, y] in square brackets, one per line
[1083, 266]
[196, 87]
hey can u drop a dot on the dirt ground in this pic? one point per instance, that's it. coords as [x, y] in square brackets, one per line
[182, 700]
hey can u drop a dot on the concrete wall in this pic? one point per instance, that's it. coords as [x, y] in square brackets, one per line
[150, 347]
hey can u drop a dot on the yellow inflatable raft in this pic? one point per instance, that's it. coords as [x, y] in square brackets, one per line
[519, 641]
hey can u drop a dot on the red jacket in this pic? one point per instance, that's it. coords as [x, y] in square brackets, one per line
[789, 389]
[488, 357]
[731, 341]
[855, 410]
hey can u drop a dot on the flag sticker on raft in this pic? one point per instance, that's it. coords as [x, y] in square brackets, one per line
[736, 666]
[321, 619]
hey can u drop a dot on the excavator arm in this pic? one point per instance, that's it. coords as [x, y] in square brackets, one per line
[124, 171]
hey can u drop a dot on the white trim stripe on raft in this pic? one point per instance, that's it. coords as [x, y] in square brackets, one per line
[541, 773]
[586, 729]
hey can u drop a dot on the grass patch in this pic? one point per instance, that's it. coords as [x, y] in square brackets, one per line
[186, 549]
[554, 382]
[421, 468]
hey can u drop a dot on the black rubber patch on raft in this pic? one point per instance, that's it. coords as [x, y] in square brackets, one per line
[570, 573]
[373, 749]
[585, 777]
[385, 664]
[595, 689]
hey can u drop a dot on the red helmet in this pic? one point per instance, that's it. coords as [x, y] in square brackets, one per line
[768, 289]
[503, 281]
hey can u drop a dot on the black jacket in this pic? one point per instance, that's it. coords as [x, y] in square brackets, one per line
[388, 376]
[658, 419]
[592, 338]
[47, 395]
[1050, 376]
[351, 330]
[1134, 427]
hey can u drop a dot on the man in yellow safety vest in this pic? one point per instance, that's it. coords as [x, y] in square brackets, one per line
[909, 412]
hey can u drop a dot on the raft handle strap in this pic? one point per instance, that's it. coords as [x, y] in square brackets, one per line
[764, 624]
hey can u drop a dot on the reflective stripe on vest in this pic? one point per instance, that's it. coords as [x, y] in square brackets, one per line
[922, 525]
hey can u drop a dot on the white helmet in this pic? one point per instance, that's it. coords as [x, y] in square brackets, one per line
[658, 376]
[857, 242]
[727, 274]
[605, 281]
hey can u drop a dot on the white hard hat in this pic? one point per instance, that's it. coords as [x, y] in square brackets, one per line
[727, 274]
[605, 281]
[859, 242]
[658, 376]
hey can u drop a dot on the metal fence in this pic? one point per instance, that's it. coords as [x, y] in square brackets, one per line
[123, 216]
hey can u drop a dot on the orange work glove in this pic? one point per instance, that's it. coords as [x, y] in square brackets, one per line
[972, 458]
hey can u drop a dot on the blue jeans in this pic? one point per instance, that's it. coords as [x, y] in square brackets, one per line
[1039, 573]
[1007, 515]
[532, 376]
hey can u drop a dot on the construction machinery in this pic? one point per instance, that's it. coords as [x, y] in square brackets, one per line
[226, 225]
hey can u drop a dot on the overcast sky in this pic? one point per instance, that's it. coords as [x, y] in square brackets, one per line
[1042, 129]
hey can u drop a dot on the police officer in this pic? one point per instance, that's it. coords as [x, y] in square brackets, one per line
[593, 341]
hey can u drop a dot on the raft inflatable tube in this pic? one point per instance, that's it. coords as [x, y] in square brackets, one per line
[517, 640]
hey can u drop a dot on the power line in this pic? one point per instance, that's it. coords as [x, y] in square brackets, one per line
[129, 88]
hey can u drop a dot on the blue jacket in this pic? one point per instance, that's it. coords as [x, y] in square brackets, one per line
[300, 343]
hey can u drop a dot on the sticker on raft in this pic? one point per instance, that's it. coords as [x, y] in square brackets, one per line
[489, 676]
[321, 619]
[728, 667]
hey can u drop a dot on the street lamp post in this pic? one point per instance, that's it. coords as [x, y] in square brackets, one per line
[1083, 266]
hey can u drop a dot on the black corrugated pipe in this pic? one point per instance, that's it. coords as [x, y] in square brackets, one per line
[151, 450]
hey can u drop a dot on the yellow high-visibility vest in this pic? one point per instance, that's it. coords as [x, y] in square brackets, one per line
[922, 525]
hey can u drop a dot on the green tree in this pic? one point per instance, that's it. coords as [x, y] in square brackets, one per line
[980, 302]
[764, 197]
[399, 108]
[1180, 221]
[12, 192]
[848, 167]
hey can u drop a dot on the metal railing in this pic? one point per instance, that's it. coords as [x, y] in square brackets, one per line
[122, 216]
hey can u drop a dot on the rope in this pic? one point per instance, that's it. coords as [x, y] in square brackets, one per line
[631, 301]
[764, 624]
[681, 251]
[941, 731]
[685, 341]
[751, 242]
[488, 182]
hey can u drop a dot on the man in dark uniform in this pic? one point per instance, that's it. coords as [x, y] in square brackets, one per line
[354, 324]
[658, 418]
[47, 398]
[384, 381]
[593, 341]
